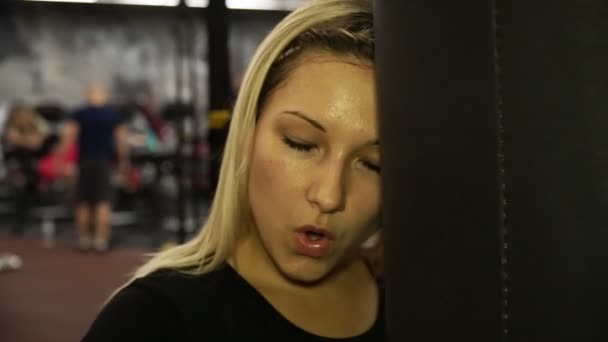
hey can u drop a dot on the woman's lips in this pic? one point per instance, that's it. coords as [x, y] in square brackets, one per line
[313, 241]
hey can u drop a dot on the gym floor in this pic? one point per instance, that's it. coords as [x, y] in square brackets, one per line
[58, 290]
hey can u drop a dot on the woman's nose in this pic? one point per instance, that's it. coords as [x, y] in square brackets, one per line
[327, 190]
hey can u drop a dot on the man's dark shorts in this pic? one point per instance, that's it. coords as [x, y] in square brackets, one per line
[94, 181]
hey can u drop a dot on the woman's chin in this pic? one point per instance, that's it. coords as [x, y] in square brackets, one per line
[305, 272]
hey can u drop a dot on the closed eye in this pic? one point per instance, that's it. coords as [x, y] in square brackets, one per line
[371, 166]
[298, 146]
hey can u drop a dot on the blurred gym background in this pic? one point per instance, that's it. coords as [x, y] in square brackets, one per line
[173, 69]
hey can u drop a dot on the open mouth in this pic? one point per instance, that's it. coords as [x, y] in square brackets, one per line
[315, 235]
[313, 241]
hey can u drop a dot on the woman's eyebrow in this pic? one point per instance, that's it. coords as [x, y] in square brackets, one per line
[317, 125]
[306, 118]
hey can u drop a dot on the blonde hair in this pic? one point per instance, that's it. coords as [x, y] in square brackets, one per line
[342, 27]
[27, 120]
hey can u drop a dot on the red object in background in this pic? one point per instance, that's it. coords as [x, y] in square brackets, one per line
[55, 165]
[133, 179]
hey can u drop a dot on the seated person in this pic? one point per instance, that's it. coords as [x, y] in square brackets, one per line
[26, 138]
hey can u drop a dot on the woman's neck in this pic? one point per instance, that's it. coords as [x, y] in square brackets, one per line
[312, 308]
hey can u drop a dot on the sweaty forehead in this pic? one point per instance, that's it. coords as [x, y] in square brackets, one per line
[332, 89]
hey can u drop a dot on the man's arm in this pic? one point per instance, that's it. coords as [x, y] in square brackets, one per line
[122, 146]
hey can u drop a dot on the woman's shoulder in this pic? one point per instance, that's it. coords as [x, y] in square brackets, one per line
[180, 281]
[136, 312]
[187, 290]
[166, 303]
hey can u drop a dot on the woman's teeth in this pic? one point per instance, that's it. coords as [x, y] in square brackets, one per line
[314, 236]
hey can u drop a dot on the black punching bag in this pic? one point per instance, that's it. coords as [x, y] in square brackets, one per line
[490, 111]
[554, 81]
[441, 170]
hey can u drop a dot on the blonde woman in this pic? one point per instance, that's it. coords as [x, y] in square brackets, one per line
[281, 254]
[27, 138]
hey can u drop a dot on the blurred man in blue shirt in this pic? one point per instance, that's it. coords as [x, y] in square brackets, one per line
[102, 145]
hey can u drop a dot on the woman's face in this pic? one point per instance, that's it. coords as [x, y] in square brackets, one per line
[314, 182]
